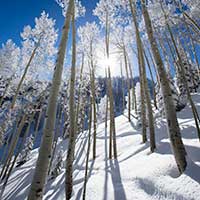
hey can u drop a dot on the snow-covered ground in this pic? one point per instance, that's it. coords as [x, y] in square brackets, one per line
[135, 175]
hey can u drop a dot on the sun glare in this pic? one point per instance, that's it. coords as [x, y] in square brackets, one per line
[107, 62]
[104, 63]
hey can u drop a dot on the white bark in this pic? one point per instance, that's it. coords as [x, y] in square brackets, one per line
[173, 126]
[39, 178]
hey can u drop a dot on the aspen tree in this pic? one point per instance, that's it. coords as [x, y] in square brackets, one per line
[93, 101]
[128, 83]
[12, 147]
[107, 100]
[106, 18]
[88, 151]
[142, 86]
[39, 178]
[152, 79]
[122, 77]
[24, 74]
[38, 48]
[182, 71]
[72, 133]
[37, 125]
[172, 122]
[79, 89]
[111, 100]
[9, 170]
[134, 100]
[10, 138]
[57, 131]
[148, 98]
[192, 21]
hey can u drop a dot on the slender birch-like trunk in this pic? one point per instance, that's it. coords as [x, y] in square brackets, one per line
[151, 74]
[182, 71]
[88, 152]
[185, 82]
[143, 106]
[79, 92]
[122, 77]
[94, 110]
[24, 75]
[12, 147]
[37, 126]
[10, 139]
[192, 21]
[39, 178]
[93, 99]
[57, 132]
[9, 170]
[72, 133]
[107, 100]
[134, 100]
[128, 83]
[193, 46]
[112, 119]
[172, 122]
[147, 97]
[111, 99]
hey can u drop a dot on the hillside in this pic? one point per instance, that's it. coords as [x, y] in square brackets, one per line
[136, 174]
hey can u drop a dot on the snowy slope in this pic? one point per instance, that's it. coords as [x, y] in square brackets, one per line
[135, 175]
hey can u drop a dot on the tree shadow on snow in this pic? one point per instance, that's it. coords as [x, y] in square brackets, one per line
[189, 131]
[192, 151]
[79, 193]
[81, 145]
[81, 149]
[125, 134]
[192, 171]
[151, 189]
[119, 192]
[106, 166]
[14, 192]
[55, 188]
[142, 148]
[187, 113]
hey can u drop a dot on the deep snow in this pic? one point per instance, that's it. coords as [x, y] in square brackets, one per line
[135, 175]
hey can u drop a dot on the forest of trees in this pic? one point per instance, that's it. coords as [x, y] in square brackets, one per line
[48, 93]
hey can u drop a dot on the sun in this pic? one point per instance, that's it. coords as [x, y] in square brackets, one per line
[105, 63]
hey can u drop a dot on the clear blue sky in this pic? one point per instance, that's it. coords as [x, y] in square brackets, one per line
[15, 14]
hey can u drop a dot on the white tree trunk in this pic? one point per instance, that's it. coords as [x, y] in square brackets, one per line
[72, 131]
[39, 178]
[173, 126]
